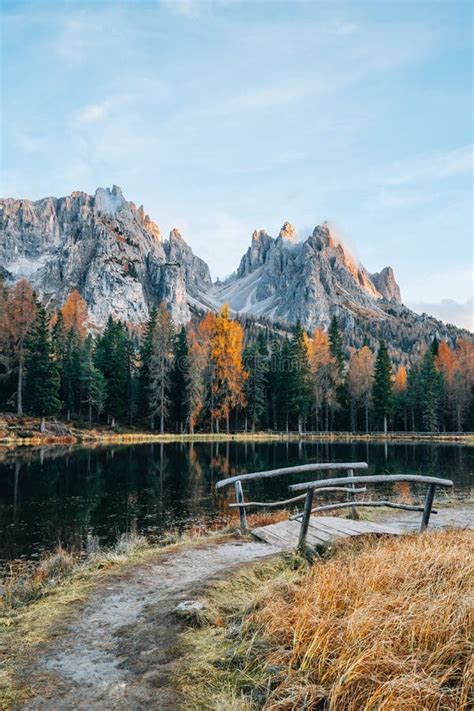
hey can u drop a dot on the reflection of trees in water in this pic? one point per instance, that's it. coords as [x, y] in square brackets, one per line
[62, 495]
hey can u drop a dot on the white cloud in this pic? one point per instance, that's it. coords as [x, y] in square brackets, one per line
[435, 166]
[449, 311]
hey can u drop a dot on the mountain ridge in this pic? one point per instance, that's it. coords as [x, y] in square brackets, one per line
[116, 257]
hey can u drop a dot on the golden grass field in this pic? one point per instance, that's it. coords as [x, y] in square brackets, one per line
[381, 625]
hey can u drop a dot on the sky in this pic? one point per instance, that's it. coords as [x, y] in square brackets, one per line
[223, 116]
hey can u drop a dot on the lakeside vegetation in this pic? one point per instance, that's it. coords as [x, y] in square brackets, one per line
[380, 624]
[220, 374]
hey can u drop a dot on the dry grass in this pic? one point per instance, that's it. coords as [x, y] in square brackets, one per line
[383, 625]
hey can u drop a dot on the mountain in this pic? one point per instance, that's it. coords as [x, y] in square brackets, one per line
[105, 247]
[115, 255]
[308, 281]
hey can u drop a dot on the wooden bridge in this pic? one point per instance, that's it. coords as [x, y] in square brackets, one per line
[304, 530]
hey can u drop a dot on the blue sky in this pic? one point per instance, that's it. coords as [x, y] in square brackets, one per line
[228, 115]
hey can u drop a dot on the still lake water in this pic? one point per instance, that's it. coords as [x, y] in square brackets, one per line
[63, 496]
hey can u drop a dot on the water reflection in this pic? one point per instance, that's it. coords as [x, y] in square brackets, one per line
[64, 495]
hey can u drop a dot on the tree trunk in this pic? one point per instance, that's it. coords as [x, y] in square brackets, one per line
[227, 424]
[90, 415]
[217, 425]
[385, 424]
[43, 424]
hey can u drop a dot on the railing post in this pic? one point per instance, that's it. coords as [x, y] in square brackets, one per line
[425, 519]
[239, 497]
[350, 497]
[308, 505]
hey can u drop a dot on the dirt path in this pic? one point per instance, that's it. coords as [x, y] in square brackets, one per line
[120, 651]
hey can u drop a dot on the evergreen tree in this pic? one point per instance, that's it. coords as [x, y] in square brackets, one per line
[42, 376]
[180, 380]
[161, 361]
[435, 346]
[94, 386]
[256, 364]
[382, 393]
[335, 344]
[300, 377]
[431, 392]
[111, 359]
[70, 373]
[281, 382]
[145, 357]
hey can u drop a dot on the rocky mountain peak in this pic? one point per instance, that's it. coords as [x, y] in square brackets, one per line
[103, 246]
[109, 201]
[386, 285]
[288, 233]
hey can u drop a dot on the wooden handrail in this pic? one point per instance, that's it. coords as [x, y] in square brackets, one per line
[374, 479]
[312, 486]
[347, 504]
[274, 504]
[315, 467]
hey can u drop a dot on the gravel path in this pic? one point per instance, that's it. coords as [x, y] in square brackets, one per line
[120, 651]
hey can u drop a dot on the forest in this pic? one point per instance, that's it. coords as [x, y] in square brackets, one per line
[216, 374]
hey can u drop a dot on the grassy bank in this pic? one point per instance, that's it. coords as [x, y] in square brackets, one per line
[382, 625]
[25, 431]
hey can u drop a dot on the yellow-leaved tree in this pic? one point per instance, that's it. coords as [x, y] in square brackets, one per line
[228, 376]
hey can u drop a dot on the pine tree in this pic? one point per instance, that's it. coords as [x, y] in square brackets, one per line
[335, 343]
[145, 357]
[256, 365]
[300, 377]
[431, 390]
[382, 393]
[179, 392]
[94, 386]
[161, 362]
[111, 359]
[42, 377]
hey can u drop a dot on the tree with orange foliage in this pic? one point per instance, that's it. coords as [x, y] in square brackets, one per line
[75, 315]
[462, 382]
[200, 366]
[18, 311]
[360, 377]
[229, 375]
[326, 376]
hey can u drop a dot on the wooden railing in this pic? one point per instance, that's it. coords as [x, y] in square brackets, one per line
[341, 484]
[242, 505]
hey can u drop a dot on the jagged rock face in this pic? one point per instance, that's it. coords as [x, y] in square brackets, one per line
[387, 286]
[308, 281]
[105, 247]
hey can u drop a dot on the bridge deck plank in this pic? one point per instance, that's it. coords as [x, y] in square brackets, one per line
[323, 531]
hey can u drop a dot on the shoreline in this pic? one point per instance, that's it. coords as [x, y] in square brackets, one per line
[18, 432]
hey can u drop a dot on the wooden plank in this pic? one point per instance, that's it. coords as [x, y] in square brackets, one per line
[303, 468]
[270, 537]
[374, 479]
[346, 526]
[323, 532]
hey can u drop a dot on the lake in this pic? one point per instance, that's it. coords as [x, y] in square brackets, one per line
[62, 496]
